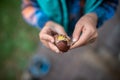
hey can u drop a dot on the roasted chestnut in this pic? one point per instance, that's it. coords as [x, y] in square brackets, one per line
[62, 42]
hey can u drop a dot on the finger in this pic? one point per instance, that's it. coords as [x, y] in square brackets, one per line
[91, 41]
[60, 29]
[83, 39]
[50, 46]
[53, 47]
[45, 43]
[55, 29]
[77, 33]
[46, 37]
[93, 38]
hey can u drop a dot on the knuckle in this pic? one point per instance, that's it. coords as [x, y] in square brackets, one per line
[96, 35]
[93, 31]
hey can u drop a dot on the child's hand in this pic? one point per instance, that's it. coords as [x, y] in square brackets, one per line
[47, 35]
[85, 30]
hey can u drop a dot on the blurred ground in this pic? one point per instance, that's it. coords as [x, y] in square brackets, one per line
[18, 43]
[81, 64]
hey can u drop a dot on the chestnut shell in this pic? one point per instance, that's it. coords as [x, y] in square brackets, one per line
[62, 46]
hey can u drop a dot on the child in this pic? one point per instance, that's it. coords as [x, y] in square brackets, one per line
[76, 18]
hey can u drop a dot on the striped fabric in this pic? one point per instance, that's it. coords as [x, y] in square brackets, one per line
[35, 16]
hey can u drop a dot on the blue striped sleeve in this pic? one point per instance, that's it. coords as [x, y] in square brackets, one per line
[37, 17]
[105, 11]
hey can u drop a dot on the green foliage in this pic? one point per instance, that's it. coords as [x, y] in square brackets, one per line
[18, 40]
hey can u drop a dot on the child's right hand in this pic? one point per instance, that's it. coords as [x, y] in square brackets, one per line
[46, 35]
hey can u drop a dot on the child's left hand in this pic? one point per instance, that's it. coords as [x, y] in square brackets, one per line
[85, 30]
[47, 33]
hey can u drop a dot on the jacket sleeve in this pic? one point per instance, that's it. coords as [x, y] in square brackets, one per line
[106, 10]
[33, 14]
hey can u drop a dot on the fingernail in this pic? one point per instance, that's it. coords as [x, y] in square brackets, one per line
[74, 40]
[57, 51]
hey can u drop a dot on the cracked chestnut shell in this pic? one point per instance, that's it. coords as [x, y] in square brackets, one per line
[62, 42]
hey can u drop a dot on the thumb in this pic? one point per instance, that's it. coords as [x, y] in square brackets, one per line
[77, 32]
[60, 30]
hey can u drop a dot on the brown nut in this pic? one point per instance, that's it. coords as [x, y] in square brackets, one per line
[62, 42]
